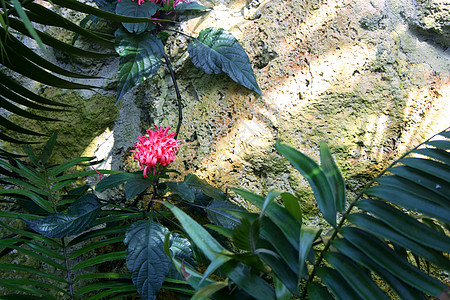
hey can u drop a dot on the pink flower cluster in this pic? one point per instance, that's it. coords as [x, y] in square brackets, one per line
[162, 2]
[157, 150]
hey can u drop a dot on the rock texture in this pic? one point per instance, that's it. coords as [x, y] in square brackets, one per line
[371, 78]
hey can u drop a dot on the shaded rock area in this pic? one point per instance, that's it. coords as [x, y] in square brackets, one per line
[371, 78]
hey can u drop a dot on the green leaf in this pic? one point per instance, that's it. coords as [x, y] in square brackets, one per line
[318, 291]
[207, 291]
[44, 204]
[281, 292]
[410, 200]
[136, 185]
[112, 181]
[383, 231]
[403, 290]
[28, 25]
[292, 205]
[316, 178]
[140, 58]
[131, 8]
[438, 154]
[407, 225]
[220, 259]
[146, 258]
[307, 236]
[190, 6]
[14, 127]
[336, 283]
[236, 271]
[356, 277]
[216, 51]
[429, 166]
[80, 216]
[217, 214]
[56, 170]
[333, 175]
[23, 268]
[383, 255]
[269, 199]
[120, 255]
[246, 234]
[48, 148]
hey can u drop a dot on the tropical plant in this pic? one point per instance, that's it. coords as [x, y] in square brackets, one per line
[392, 238]
[138, 42]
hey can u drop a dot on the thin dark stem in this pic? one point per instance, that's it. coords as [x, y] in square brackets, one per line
[179, 32]
[69, 273]
[177, 91]
[347, 212]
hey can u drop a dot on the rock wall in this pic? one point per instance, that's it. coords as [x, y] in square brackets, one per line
[371, 78]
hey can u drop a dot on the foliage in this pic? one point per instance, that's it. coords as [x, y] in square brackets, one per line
[393, 234]
[138, 41]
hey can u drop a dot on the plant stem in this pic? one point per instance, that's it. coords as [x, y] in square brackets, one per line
[177, 91]
[347, 212]
[69, 273]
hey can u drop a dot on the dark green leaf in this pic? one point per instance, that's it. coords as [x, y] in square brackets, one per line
[146, 258]
[48, 148]
[136, 185]
[120, 255]
[407, 225]
[203, 186]
[32, 196]
[307, 236]
[438, 154]
[337, 284]
[410, 200]
[56, 170]
[207, 291]
[356, 277]
[131, 8]
[383, 231]
[403, 290]
[318, 291]
[432, 183]
[316, 178]
[269, 199]
[97, 232]
[445, 134]
[217, 214]
[429, 166]
[281, 292]
[216, 51]
[440, 144]
[292, 205]
[82, 213]
[140, 58]
[21, 112]
[333, 175]
[246, 234]
[383, 255]
[112, 181]
[194, 6]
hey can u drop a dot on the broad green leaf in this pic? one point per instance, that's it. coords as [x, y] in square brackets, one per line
[316, 178]
[281, 292]
[217, 214]
[131, 8]
[292, 205]
[192, 6]
[336, 283]
[113, 181]
[383, 231]
[356, 277]
[410, 200]
[407, 225]
[285, 221]
[246, 234]
[136, 185]
[80, 216]
[216, 51]
[236, 271]
[403, 290]
[383, 255]
[202, 185]
[146, 258]
[181, 249]
[409, 186]
[140, 58]
[269, 199]
[333, 175]
[318, 291]
[307, 236]
[419, 177]
[431, 167]
[438, 154]
[220, 259]
[205, 292]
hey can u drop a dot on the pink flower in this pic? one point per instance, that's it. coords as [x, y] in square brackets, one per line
[157, 150]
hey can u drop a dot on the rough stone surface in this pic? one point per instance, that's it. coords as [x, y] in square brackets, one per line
[369, 77]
